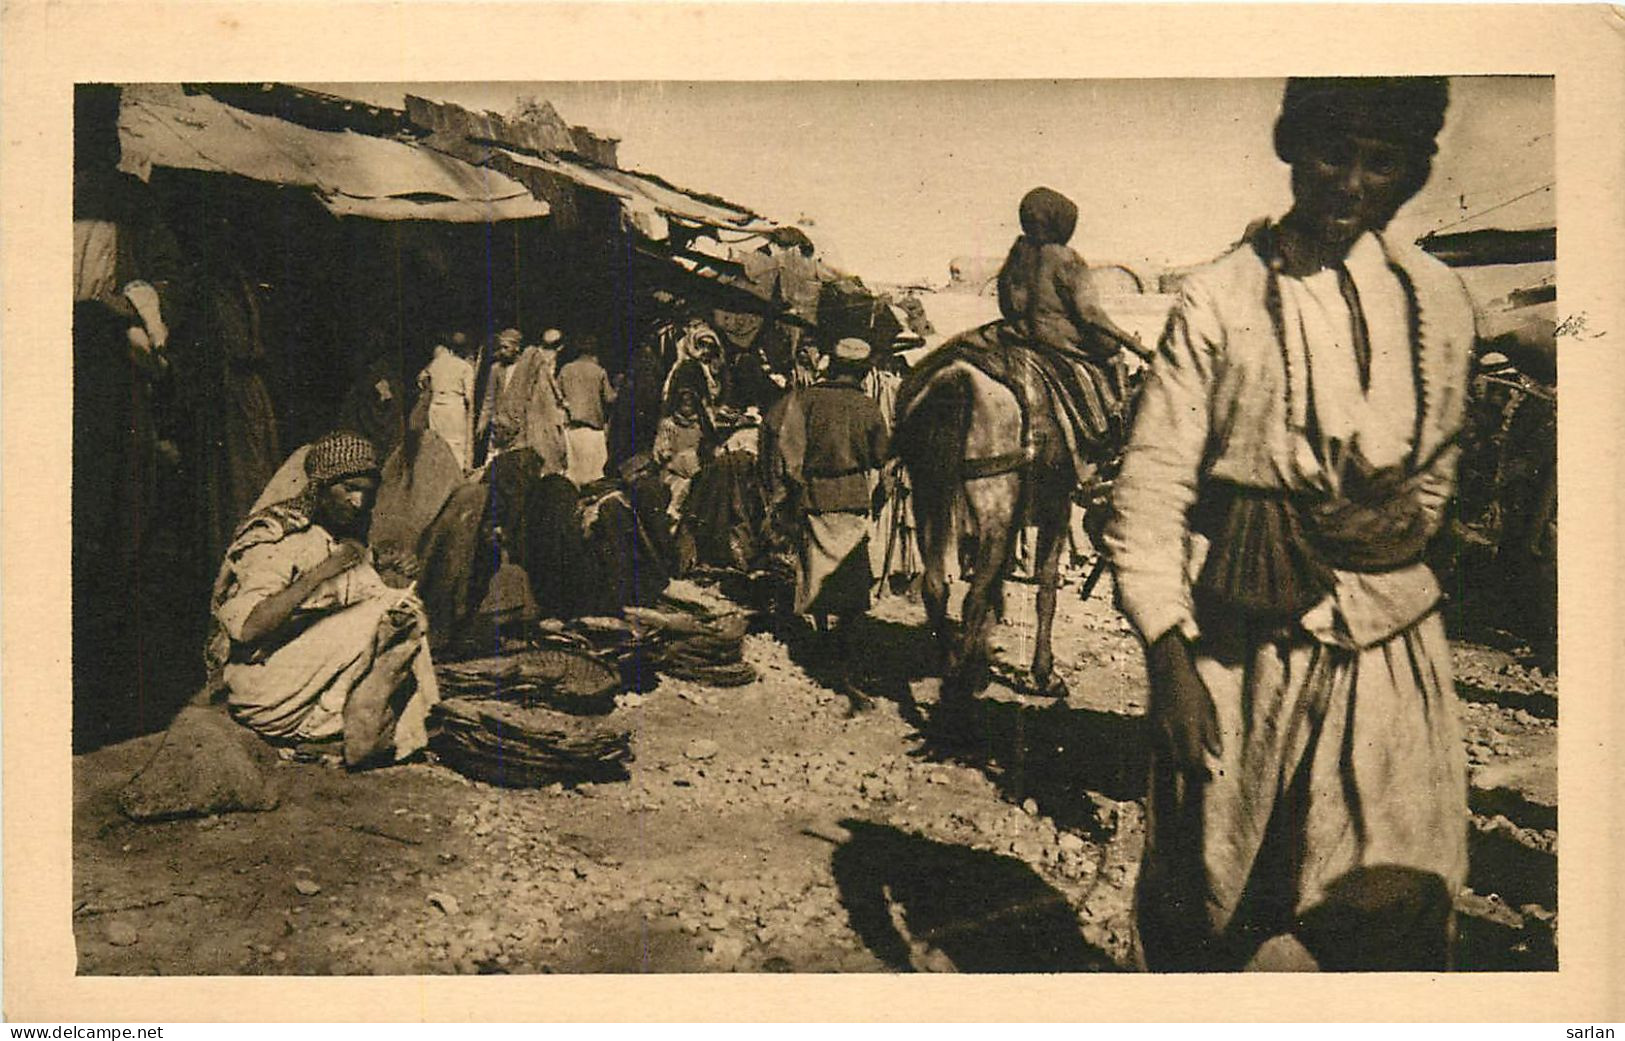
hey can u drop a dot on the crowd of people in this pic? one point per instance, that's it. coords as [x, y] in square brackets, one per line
[1294, 449]
[529, 483]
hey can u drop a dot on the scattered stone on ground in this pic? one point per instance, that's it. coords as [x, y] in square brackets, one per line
[760, 831]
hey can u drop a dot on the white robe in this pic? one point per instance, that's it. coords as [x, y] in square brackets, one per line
[1341, 754]
[297, 690]
[449, 382]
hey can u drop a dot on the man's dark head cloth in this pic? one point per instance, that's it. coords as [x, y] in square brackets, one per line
[1048, 217]
[338, 456]
[1407, 111]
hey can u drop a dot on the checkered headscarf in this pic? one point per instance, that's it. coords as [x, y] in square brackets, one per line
[340, 455]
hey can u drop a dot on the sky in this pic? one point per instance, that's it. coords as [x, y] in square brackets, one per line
[894, 179]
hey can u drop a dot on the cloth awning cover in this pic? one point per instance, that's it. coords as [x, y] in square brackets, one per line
[649, 204]
[351, 174]
[1488, 246]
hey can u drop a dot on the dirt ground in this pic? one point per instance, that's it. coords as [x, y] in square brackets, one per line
[760, 831]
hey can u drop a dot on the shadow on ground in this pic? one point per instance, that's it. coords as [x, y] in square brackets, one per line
[913, 901]
[1054, 754]
[1510, 612]
[1483, 945]
[884, 660]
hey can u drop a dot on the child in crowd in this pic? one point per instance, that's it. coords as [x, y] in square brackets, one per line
[680, 440]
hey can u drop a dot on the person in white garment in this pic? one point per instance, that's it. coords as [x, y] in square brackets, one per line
[588, 397]
[309, 642]
[1294, 450]
[448, 381]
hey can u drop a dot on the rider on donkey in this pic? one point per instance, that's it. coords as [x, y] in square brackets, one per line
[1049, 301]
[1050, 306]
[1001, 426]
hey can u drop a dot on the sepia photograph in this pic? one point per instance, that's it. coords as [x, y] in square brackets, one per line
[823, 526]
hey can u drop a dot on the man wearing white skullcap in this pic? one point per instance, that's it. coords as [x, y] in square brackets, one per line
[832, 442]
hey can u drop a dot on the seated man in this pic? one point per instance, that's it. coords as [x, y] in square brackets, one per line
[1048, 298]
[309, 642]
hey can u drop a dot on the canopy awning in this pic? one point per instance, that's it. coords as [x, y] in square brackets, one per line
[1488, 246]
[721, 278]
[649, 202]
[351, 174]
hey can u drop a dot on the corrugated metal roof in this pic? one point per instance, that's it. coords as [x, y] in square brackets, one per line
[352, 174]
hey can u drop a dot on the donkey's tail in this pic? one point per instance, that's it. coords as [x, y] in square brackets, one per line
[932, 423]
[929, 439]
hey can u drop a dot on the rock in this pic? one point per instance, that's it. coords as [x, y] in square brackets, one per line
[1030, 807]
[1070, 843]
[306, 886]
[446, 902]
[1106, 812]
[726, 951]
[206, 764]
[701, 749]
[121, 934]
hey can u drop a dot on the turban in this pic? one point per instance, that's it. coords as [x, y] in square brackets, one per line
[509, 338]
[552, 338]
[340, 455]
[1407, 111]
[852, 351]
[1048, 217]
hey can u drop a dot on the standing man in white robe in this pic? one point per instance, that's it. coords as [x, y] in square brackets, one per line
[448, 380]
[1293, 453]
[588, 397]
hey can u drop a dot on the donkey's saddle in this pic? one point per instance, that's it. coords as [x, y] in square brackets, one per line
[1084, 395]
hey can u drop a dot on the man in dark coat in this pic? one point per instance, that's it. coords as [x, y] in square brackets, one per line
[636, 414]
[832, 442]
[128, 282]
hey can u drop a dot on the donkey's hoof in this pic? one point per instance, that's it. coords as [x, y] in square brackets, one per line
[1049, 685]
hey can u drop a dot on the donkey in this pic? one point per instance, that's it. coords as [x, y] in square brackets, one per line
[967, 437]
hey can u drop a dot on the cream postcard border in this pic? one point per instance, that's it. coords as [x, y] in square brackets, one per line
[47, 46]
